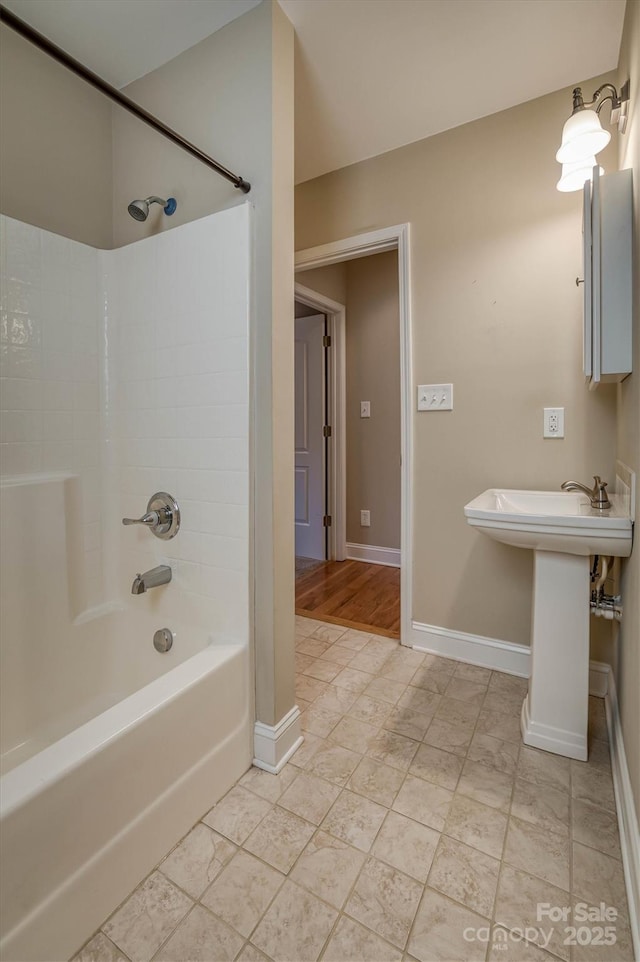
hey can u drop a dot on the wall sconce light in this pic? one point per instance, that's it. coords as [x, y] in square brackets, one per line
[583, 136]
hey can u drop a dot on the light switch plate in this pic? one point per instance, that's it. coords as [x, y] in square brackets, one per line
[365, 409]
[435, 397]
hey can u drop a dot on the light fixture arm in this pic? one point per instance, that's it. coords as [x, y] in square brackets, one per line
[618, 102]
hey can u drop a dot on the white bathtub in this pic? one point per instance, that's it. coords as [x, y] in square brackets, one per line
[84, 819]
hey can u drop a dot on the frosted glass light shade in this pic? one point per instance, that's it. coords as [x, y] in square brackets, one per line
[574, 175]
[582, 137]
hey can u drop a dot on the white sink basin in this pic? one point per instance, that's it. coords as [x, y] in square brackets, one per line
[552, 521]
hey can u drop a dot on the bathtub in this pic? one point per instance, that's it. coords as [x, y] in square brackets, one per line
[87, 817]
[110, 749]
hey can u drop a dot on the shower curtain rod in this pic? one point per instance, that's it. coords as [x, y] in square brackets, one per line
[114, 94]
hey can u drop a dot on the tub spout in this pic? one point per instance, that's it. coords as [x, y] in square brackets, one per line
[151, 579]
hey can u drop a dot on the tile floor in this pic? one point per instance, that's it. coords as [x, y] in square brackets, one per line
[411, 815]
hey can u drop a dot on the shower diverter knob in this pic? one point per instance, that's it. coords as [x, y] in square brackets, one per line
[162, 517]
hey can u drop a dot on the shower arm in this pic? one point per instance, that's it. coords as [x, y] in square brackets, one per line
[57, 53]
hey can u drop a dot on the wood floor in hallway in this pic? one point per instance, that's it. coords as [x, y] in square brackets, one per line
[351, 593]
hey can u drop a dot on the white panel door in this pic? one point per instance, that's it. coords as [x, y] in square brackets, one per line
[309, 440]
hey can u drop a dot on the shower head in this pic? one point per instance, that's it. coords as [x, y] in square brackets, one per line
[139, 209]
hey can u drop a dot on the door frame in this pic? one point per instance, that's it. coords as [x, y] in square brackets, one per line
[373, 242]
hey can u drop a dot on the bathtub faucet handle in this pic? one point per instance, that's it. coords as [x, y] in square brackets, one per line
[162, 516]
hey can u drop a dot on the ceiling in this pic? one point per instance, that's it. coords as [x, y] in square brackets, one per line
[371, 75]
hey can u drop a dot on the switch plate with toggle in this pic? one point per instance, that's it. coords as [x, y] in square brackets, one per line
[435, 397]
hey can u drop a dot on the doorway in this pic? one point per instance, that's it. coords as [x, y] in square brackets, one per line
[366, 570]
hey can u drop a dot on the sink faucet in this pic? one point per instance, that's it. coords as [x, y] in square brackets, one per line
[151, 579]
[597, 494]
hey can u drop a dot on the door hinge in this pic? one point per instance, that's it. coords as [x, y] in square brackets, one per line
[326, 521]
[326, 431]
[326, 340]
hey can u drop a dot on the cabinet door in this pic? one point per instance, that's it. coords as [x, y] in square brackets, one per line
[587, 334]
[596, 280]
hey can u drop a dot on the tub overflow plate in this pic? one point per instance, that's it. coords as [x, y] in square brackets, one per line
[163, 639]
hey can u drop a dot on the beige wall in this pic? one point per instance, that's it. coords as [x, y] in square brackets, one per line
[495, 250]
[373, 374]
[330, 281]
[627, 661]
[55, 149]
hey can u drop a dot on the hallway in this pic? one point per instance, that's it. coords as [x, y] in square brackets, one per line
[350, 593]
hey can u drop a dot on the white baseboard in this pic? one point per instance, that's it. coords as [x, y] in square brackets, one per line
[626, 811]
[273, 745]
[374, 555]
[503, 656]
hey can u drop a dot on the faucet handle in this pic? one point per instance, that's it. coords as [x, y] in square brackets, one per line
[600, 498]
[162, 517]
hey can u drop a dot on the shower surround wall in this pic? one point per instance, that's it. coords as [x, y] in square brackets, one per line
[124, 373]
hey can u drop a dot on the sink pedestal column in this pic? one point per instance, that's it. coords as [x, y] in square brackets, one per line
[555, 712]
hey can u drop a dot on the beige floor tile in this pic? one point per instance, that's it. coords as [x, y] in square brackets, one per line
[354, 639]
[458, 712]
[100, 949]
[237, 814]
[328, 867]
[597, 719]
[319, 721]
[303, 755]
[355, 820]
[386, 689]
[200, 934]
[336, 699]
[593, 785]
[470, 692]
[622, 949]
[598, 877]
[380, 643]
[314, 646]
[439, 931]
[405, 721]
[369, 661]
[386, 901]
[310, 797]
[295, 927]
[370, 710]
[251, 954]
[465, 875]
[351, 942]
[279, 838]
[403, 664]
[420, 700]
[394, 750]
[338, 655]
[334, 763]
[595, 827]
[486, 785]
[517, 901]
[499, 725]
[406, 845]
[506, 946]
[267, 786]
[504, 684]
[353, 734]
[477, 825]
[504, 703]
[376, 781]
[454, 738]
[424, 802]
[309, 688]
[437, 766]
[431, 679]
[353, 680]
[303, 661]
[473, 673]
[599, 755]
[147, 918]
[494, 752]
[542, 768]
[307, 626]
[330, 633]
[323, 670]
[197, 860]
[539, 852]
[242, 892]
[542, 806]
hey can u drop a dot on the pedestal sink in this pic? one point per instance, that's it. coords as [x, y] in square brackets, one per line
[563, 530]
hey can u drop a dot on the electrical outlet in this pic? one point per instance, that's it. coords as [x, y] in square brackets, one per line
[435, 397]
[553, 423]
[365, 519]
[365, 409]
